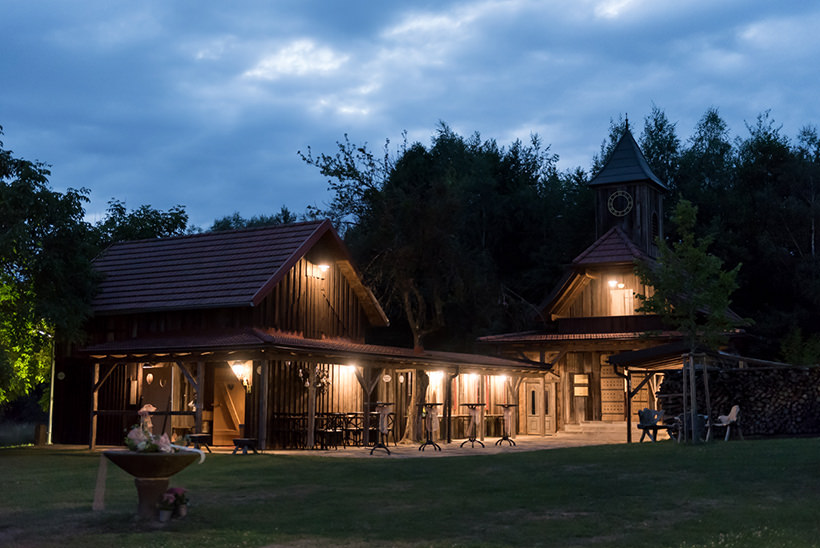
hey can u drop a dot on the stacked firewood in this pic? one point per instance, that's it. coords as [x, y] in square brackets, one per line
[784, 401]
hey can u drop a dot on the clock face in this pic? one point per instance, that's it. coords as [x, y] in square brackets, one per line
[620, 203]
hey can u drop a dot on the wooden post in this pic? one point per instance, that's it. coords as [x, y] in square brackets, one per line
[708, 400]
[262, 395]
[629, 395]
[482, 398]
[92, 434]
[200, 396]
[448, 407]
[311, 418]
[693, 408]
[684, 397]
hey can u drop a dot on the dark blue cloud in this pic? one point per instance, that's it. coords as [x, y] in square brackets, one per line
[206, 103]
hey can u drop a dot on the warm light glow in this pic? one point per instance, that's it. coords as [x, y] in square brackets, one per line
[324, 267]
[612, 283]
[436, 376]
[243, 372]
[620, 285]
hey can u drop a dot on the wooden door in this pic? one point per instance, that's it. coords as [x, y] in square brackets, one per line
[156, 390]
[534, 401]
[229, 406]
[550, 422]
[612, 395]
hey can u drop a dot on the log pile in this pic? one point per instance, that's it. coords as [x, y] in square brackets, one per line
[772, 402]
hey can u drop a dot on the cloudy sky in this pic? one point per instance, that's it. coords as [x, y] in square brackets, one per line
[206, 103]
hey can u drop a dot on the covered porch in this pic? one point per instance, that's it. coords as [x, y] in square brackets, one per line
[285, 391]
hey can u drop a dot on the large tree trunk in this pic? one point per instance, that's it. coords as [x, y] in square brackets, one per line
[414, 428]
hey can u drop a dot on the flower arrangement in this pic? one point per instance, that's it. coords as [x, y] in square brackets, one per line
[180, 495]
[174, 502]
[167, 502]
[141, 437]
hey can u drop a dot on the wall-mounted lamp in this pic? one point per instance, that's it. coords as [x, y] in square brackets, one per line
[317, 271]
[243, 372]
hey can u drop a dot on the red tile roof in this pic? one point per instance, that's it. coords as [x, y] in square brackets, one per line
[614, 247]
[214, 269]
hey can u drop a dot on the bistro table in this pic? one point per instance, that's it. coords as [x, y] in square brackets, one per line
[383, 408]
[474, 415]
[431, 416]
[505, 432]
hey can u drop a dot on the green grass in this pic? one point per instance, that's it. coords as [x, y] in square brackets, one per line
[745, 494]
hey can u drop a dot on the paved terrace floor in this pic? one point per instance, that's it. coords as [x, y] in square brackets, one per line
[453, 449]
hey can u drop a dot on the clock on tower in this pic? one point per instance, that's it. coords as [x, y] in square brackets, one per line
[629, 195]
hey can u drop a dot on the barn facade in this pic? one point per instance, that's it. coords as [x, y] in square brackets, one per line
[260, 333]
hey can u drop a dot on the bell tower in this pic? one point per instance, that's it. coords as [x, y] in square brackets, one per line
[629, 195]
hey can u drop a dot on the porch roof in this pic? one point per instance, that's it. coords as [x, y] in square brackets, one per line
[540, 336]
[252, 343]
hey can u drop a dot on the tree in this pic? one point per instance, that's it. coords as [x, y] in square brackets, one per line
[235, 221]
[46, 280]
[692, 292]
[144, 222]
[661, 146]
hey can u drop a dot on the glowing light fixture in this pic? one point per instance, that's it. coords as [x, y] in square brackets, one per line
[243, 372]
[324, 267]
[612, 283]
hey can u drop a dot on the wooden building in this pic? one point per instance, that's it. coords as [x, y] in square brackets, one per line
[590, 315]
[258, 333]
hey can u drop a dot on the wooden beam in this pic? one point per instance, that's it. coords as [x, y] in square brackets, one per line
[311, 418]
[200, 396]
[188, 376]
[99, 382]
[92, 434]
[262, 434]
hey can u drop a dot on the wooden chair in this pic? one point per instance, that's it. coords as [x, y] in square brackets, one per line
[650, 421]
[727, 422]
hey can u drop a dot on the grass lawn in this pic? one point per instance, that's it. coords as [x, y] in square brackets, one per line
[755, 493]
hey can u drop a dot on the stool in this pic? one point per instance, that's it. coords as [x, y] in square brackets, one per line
[197, 440]
[244, 444]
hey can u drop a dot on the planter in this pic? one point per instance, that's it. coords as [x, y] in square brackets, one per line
[165, 515]
[181, 511]
[151, 473]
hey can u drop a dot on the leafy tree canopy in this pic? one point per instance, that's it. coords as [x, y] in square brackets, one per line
[46, 281]
[691, 290]
[232, 222]
[145, 222]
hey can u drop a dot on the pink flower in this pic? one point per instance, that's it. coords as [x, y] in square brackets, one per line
[164, 444]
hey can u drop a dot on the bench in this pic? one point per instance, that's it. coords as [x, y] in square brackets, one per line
[650, 421]
[244, 444]
[197, 440]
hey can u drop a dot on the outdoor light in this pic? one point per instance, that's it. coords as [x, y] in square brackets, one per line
[621, 285]
[242, 370]
[435, 376]
[612, 283]
[324, 267]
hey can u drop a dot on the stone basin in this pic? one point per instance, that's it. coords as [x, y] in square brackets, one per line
[151, 473]
[151, 465]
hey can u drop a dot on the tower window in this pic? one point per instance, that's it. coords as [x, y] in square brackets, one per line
[656, 229]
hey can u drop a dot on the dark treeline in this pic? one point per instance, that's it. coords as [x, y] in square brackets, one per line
[458, 238]
[464, 237]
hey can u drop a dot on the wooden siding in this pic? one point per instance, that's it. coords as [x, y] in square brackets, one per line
[314, 304]
[596, 298]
